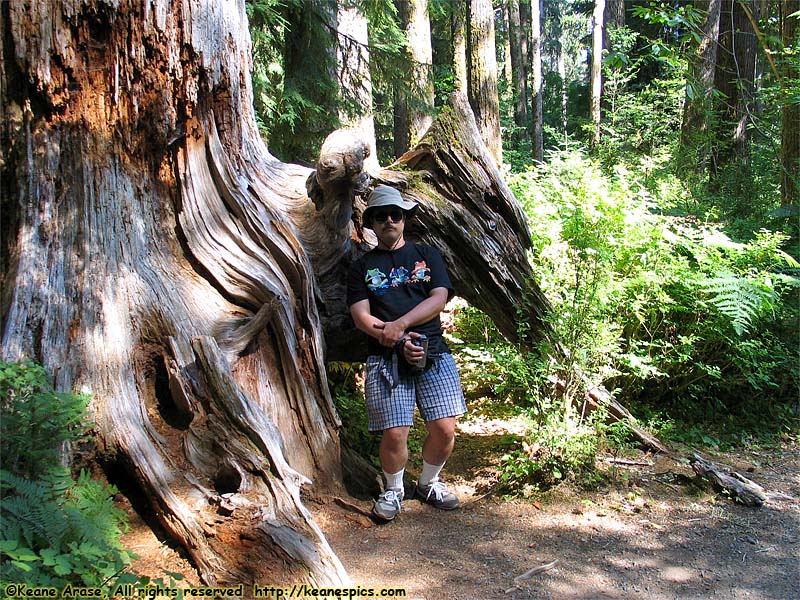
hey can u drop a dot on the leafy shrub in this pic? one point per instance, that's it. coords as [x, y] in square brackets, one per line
[557, 449]
[348, 397]
[662, 308]
[55, 530]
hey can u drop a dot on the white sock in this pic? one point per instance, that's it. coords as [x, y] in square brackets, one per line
[394, 481]
[429, 472]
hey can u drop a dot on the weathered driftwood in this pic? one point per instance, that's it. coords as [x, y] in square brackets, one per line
[726, 479]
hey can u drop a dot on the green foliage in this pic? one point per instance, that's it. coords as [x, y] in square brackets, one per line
[348, 397]
[669, 312]
[556, 450]
[629, 130]
[36, 420]
[664, 308]
[55, 529]
[296, 89]
[738, 298]
[268, 25]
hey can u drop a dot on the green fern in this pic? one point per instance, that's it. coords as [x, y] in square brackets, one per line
[54, 529]
[740, 299]
[30, 511]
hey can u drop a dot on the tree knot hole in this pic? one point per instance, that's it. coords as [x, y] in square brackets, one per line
[227, 479]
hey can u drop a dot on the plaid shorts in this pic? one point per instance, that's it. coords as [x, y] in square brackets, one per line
[436, 391]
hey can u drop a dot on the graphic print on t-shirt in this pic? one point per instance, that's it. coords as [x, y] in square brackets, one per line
[376, 281]
[421, 272]
[394, 282]
[397, 276]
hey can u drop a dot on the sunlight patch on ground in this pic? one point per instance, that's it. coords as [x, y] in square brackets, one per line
[480, 425]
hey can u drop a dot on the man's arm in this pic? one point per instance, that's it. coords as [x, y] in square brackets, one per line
[391, 332]
[364, 320]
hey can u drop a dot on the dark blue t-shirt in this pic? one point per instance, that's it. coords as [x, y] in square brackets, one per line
[394, 282]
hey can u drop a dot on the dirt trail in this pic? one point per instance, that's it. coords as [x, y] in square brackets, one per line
[645, 536]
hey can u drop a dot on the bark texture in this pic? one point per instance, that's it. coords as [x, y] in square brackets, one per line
[482, 74]
[354, 79]
[148, 261]
[537, 120]
[698, 104]
[734, 78]
[790, 126]
[596, 75]
[414, 107]
[516, 35]
[459, 44]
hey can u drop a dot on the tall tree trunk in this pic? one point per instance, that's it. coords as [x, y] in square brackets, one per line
[504, 39]
[790, 125]
[482, 74]
[518, 64]
[537, 122]
[614, 18]
[459, 41]
[562, 76]
[735, 79]
[310, 73]
[596, 76]
[355, 81]
[149, 262]
[414, 113]
[698, 104]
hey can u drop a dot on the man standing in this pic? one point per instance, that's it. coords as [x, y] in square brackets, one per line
[396, 293]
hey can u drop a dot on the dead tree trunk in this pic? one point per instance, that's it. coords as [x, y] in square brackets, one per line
[148, 260]
[465, 209]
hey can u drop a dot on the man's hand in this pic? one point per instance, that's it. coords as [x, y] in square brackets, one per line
[412, 353]
[391, 332]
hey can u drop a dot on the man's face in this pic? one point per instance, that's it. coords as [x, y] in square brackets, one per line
[388, 223]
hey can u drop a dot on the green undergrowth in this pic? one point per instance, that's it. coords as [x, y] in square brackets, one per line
[59, 527]
[690, 323]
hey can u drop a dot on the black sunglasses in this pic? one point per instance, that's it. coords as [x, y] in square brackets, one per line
[396, 214]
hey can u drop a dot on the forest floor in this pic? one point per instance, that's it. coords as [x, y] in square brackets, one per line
[646, 532]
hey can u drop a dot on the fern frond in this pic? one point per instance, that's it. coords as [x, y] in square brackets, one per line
[33, 509]
[740, 299]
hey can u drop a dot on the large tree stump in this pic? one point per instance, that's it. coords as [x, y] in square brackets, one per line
[156, 256]
[148, 259]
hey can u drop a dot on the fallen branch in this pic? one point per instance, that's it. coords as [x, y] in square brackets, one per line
[622, 461]
[598, 397]
[743, 490]
[529, 574]
[352, 507]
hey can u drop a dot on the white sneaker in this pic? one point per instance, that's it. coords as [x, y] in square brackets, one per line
[387, 506]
